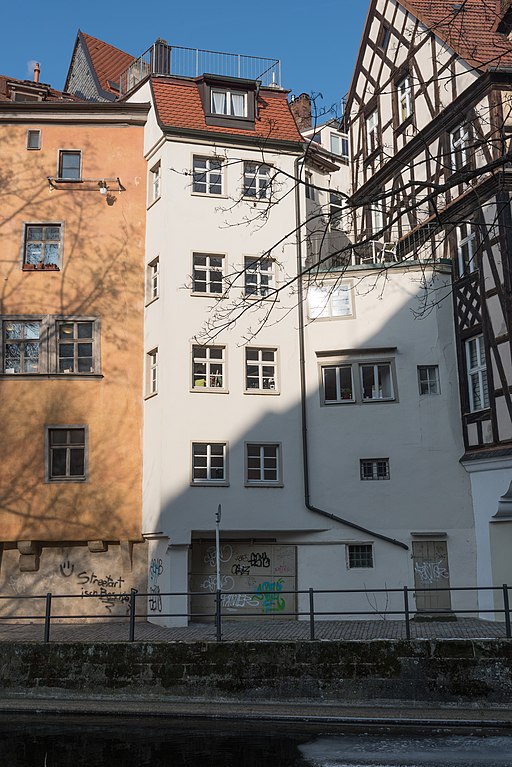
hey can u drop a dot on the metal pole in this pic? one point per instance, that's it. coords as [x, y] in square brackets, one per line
[133, 596]
[218, 618]
[311, 614]
[217, 544]
[47, 617]
[406, 611]
[506, 607]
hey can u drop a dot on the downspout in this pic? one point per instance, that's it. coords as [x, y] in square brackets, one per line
[302, 364]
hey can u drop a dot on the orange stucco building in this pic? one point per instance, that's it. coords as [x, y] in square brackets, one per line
[71, 304]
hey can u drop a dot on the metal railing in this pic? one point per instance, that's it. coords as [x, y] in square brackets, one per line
[311, 614]
[164, 59]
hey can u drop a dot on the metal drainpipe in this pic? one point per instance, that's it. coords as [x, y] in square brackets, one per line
[302, 364]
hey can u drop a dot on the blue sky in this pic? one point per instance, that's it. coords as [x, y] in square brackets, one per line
[317, 42]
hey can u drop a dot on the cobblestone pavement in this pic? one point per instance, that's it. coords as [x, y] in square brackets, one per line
[117, 630]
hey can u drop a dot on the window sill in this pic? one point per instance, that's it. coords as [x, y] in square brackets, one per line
[52, 376]
[151, 301]
[335, 317]
[209, 483]
[340, 402]
[209, 390]
[256, 297]
[150, 204]
[40, 268]
[266, 392]
[65, 480]
[150, 396]
[379, 399]
[264, 484]
[209, 194]
[254, 200]
[206, 295]
[402, 126]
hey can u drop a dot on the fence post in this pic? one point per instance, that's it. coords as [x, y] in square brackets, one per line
[47, 617]
[133, 595]
[311, 614]
[406, 611]
[218, 618]
[506, 607]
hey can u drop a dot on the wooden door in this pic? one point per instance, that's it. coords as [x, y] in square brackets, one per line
[431, 574]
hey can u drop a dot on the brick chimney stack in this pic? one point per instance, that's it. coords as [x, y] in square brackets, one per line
[37, 71]
[301, 110]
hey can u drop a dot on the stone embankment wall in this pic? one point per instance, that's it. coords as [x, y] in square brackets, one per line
[449, 671]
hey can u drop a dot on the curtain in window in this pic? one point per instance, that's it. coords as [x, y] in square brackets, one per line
[238, 104]
[219, 103]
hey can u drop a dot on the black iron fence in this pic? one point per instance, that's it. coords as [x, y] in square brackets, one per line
[312, 615]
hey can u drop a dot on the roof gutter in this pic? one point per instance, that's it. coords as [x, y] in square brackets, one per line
[303, 408]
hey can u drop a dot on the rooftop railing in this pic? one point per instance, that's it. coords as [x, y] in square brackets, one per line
[164, 59]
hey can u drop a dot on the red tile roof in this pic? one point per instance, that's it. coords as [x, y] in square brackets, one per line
[108, 62]
[48, 93]
[469, 31]
[179, 106]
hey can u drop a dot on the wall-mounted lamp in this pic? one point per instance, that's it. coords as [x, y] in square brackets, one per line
[103, 187]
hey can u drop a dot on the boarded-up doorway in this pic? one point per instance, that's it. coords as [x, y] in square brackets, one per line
[431, 574]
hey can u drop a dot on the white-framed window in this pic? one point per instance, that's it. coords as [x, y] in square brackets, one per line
[207, 273]
[70, 165]
[372, 132]
[428, 379]
[339, 145]
[155, 182]
[260, 369]
[152, 372]
[404, 96]
[209, 462]
[335, 211]
[153, 280]
[338, 384]
[66, 453]
[33, 139]
[207, 175]
[257, 181]
[466, 248]
[228, 102]
[459, 147]
[377, 218]
[208, 367]
[376, 381]
[42, 246]
[359, 555]
[374, 468]
[21, 346]
[259, 277]
[329, 301]
[477, 374]
[311, 191]
[263, 464]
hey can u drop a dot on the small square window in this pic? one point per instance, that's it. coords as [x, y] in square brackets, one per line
[208, 367]
[42, 246]
[207, 175]
[33, 139]
[209, 462]
[329, 301]
[428, 379]
[339, 145]
[257, 180]
[152, 372]
[263, 464]
[207, 273]
[360, 555]
[66, 453]
[153, 280]
[374, 468]
[154, 183]
[260, 369]
[259, 277]
[70, 165]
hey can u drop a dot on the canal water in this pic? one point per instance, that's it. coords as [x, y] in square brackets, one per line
[78, 742]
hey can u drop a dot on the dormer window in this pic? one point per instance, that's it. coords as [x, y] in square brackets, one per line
[227, 102]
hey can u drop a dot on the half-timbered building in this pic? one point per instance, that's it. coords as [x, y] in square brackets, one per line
[430, 115]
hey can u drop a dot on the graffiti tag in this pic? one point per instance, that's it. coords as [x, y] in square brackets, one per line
[430, 572]
[267, 594]
[258, 559]
[226, 552]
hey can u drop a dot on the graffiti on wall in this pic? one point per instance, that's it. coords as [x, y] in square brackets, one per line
[156, 569]
[110, 591]
[430, 572]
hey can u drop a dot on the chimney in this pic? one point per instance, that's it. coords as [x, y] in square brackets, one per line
[301, 110]
[37, 71]
[160, 58]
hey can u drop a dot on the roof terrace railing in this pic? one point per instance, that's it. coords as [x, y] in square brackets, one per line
[165, 59]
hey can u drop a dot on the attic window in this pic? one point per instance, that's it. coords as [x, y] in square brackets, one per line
[227, 102]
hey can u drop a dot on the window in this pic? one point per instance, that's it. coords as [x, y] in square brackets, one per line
[257, 180]
[339, 145]
[404, 95]
[310, 189]
[42, 246]
[207, 175]
[66, 453]
[376, 382]
[335, 210]
[260, 369]
[208, 462]
[329, 301]
[155, 178]
[385, 34]
[374, 468]
[153, 280]
[263, 464]
[228, 102]
[338, 384]
[428, 379]
[70, 165]
[75, 347]
[477, 374]
[466, 248]
[377, 218]
[21, 346]
[259, 277]
[207, 274]
[372, 132]
[152, 372]
[33, 139]
[208, 367]
[459, 140]
[359, 555]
